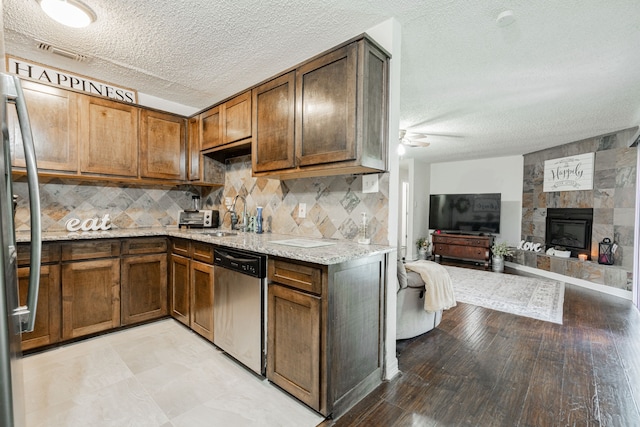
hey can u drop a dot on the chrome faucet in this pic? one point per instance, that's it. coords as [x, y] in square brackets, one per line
[234, 214]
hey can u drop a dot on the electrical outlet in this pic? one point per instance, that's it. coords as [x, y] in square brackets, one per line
[228, 201]
[370, 183]
[302, 210]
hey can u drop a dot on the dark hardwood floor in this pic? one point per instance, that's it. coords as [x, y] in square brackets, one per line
[481, 367]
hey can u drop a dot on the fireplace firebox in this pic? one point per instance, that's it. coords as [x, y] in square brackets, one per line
[570, 228]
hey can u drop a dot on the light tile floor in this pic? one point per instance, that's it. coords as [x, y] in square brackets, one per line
[156, 375]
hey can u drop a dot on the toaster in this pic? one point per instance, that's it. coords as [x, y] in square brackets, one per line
[198, 219]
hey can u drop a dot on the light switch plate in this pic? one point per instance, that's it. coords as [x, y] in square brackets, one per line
[302, 210]
[370, 183]
[228, 201]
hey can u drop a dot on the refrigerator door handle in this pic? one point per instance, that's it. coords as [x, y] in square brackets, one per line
[27, 314]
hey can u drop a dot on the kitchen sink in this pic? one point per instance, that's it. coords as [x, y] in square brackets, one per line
[220, 233]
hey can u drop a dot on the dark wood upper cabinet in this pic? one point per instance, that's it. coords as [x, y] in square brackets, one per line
[109, 134]
[53, 114]
[273, 124]
[340, 115]
[326, 110]
[162, 145]
[237, 118]
[211, 128]
[227, 122]
[193, 157]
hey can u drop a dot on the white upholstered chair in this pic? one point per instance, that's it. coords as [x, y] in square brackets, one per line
[411, 318]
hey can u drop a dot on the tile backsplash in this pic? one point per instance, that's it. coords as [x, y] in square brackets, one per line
[128, 206]
[334, 204]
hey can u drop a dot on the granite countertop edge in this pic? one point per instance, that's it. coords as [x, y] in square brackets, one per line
[339, 251]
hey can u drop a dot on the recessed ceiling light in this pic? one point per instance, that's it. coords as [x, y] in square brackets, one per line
[72, 13]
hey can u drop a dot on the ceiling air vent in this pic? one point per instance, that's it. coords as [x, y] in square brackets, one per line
[62, 52]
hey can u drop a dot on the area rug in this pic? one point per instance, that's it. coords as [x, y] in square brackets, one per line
[525, 296]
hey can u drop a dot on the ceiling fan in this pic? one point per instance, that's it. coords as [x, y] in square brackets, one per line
[411, 140]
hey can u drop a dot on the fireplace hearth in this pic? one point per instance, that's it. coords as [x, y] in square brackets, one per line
[570, 228]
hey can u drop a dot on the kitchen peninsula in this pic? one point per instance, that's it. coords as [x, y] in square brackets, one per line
[328, 365]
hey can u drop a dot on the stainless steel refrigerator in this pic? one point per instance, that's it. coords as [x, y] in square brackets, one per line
[14, 317]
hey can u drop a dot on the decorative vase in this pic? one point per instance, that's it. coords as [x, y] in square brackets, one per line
[497, 264]
[422, 253]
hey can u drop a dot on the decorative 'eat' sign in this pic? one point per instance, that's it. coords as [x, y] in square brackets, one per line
[91, 224]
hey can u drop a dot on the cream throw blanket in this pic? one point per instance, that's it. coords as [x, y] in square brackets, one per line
[439, 293]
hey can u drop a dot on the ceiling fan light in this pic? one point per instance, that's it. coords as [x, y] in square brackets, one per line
[72, 13]
[401, 150]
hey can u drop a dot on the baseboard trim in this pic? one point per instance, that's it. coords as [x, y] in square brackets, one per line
[391, 368]
[573, 280]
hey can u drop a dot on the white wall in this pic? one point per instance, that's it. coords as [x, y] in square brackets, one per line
[421, 184]
[404, 177]
[495, 175]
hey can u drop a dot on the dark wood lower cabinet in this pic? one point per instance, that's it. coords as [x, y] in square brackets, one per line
[90, 297]
[294, 343]
[191, 285]
[325, 330]
[143, 286]
[48, 321]
[180, 289]
[202, 299]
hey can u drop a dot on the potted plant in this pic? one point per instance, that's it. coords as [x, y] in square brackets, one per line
[423, 244]
[498, 251]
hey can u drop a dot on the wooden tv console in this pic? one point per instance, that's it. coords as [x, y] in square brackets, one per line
[462, 246]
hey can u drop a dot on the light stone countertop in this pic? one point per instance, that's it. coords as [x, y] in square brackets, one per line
[340, 251]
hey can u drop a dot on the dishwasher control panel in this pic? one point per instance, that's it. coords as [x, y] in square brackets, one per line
[248, 263]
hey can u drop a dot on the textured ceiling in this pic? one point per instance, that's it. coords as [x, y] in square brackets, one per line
[563, 71]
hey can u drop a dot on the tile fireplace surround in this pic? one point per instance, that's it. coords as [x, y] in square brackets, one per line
[612, 199]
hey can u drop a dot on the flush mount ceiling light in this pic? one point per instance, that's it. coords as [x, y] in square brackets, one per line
[72, 13]
[505, 18]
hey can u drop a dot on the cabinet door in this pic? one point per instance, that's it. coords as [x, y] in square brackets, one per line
[202, 299]
[180, 296]
[193, 154]
[326, 108]
[53, 114]
[143, 288]
[108, 137]
[293, 359]
[273, 124]
[372, 107]
[48, 320]
[162, 145]
[90, 297]
[211, 128]
[237, 118]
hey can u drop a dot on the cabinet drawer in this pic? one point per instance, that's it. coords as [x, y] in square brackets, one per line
[462, 251]
[144, 245]
[90, 249]
[181, 247]
[462, 241]
[306, 277]
[202, 252]
[50, 254]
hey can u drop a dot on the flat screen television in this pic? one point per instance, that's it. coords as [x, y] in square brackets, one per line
[465, 213]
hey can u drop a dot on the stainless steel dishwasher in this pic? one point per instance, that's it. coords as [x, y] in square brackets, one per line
[239, 301]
